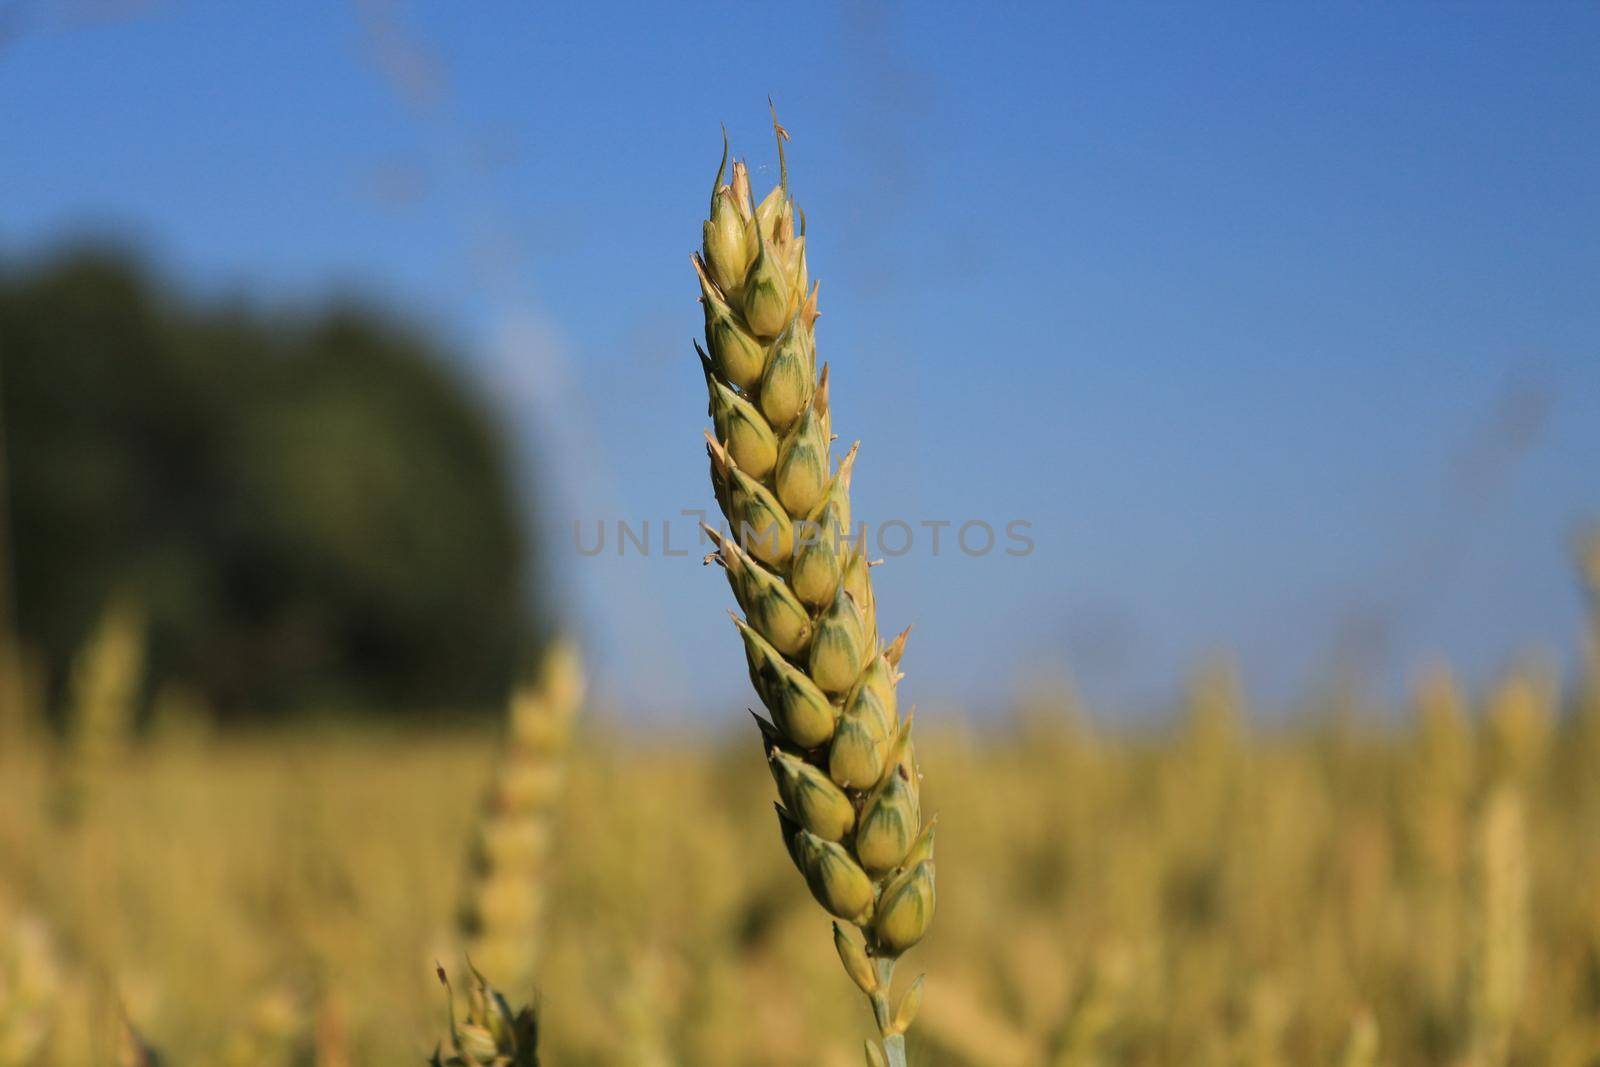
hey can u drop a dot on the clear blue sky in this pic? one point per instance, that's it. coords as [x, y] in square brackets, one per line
[1278, 322]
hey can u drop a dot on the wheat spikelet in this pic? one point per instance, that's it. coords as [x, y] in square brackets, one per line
[842, 756]
[501, 918]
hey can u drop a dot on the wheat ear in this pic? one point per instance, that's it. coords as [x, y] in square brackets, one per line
[502, 915]
[492, 1034]
[846, 770]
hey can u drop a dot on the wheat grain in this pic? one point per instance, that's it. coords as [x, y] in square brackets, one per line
[842, 757]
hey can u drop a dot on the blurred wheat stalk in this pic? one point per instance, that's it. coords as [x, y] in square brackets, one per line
[502, 915]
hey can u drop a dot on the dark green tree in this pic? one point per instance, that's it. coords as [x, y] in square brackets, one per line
[310, 509]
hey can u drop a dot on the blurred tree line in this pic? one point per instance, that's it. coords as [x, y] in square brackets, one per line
[308, 511]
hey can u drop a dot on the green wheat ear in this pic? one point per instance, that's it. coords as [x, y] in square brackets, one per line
[849, 787]
[491, 1034]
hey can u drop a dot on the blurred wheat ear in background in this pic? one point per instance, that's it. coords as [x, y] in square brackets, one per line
[105, 683]
[850, 810]
[502, 915]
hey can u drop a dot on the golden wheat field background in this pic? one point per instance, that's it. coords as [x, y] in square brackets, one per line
[470, 473]
[1336, 892]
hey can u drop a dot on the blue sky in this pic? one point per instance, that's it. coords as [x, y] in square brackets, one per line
[1277, 322]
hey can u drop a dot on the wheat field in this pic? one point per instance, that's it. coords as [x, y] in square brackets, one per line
[1413, 889]
[1256, 330]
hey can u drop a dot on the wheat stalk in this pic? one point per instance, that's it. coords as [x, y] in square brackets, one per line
[502, 916]
[846, 770]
